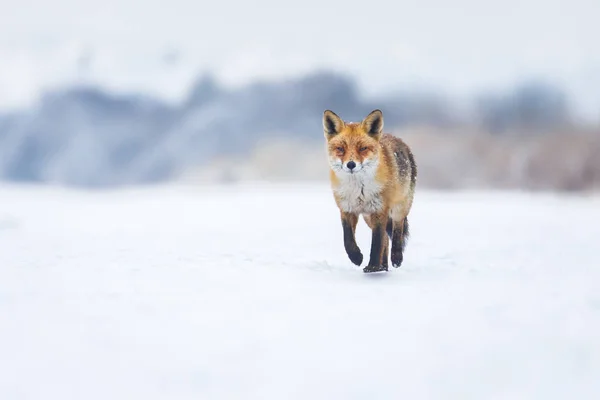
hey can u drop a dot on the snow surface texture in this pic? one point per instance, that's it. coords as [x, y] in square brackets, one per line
[246, 293]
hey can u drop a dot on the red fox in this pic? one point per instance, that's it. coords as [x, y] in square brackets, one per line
[373, 174]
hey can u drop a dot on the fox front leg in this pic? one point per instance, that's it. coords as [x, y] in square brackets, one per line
[349, 222]
[378, 224]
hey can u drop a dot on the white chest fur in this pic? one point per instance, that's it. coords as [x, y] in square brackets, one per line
[358, 193]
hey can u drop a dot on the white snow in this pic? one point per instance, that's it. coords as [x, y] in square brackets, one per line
[246, 293]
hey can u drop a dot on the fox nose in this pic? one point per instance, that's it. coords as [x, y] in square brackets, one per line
[351, 165]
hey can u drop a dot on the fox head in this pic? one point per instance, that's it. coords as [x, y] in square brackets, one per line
[353, 148]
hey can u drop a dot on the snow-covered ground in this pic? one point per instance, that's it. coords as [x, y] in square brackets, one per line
[187, 292]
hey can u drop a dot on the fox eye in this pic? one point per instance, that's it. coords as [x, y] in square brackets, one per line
[340, 149]
[364, 148]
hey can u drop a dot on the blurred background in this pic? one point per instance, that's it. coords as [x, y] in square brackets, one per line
[496, 94]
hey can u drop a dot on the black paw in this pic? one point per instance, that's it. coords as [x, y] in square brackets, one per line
[375, 268]
[355, 256]
[397, 259]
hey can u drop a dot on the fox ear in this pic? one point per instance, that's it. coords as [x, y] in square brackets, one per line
[332, 124]
[373, 123]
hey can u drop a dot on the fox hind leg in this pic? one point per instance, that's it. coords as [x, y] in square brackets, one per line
[389, 228]
[399, 235]
[385, 254]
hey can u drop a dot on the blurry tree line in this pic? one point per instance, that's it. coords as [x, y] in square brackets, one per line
[84, 136]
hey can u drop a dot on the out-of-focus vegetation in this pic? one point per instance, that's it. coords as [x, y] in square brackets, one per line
[524, 138]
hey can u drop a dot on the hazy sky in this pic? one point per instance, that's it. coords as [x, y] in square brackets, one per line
[460, 46]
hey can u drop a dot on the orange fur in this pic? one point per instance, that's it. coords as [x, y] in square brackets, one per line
[372, 174]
